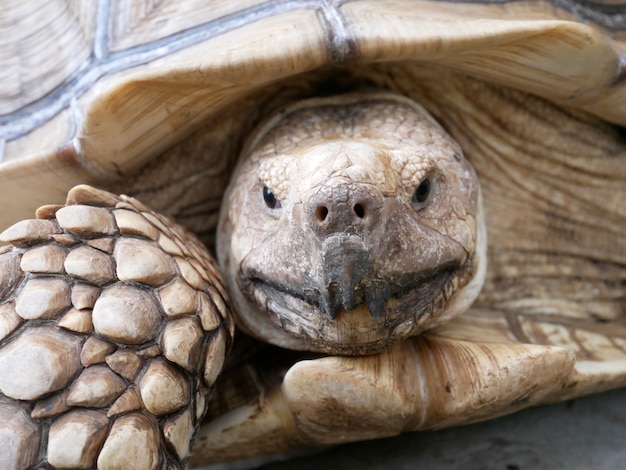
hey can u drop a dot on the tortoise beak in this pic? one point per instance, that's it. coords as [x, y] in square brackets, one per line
[348, 277]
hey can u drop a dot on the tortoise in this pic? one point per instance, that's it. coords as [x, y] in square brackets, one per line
[426, 222]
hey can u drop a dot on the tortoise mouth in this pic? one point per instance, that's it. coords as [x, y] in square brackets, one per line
[384, 311]
[374, 293]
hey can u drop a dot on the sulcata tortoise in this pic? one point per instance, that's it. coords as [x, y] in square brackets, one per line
[424, 225]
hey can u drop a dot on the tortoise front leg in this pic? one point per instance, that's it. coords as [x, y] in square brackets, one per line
[113, 329]
[423, 383]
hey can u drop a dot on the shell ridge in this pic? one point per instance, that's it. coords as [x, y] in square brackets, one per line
[101, 33]
[340, 41]
[102, 62]
[609, 16]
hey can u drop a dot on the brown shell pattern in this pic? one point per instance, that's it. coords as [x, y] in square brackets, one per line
[114, 324]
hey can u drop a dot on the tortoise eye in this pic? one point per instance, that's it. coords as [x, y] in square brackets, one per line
[422, 193]
[269, 198]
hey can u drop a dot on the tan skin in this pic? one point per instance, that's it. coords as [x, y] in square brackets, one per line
[351, 224]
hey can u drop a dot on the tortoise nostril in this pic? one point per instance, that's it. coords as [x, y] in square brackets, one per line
[321, 213]
[342, 208]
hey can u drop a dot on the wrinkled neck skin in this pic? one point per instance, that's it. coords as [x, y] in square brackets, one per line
[351, 223]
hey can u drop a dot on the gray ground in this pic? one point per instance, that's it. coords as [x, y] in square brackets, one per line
[588, 433]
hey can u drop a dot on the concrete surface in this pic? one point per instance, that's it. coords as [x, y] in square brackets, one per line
[587, 433]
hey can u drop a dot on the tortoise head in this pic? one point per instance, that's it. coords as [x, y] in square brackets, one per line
[351, 223]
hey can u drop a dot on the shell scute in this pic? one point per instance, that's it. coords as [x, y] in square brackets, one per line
[96, 387]
[91, 265]
[44, 259]
[48, 359]
[9, 319]
[189, 273]
[215, 355]
[95, 351]
[51, 406]
[83, 194]
[170, 246]
[11, 273]
[129, 401]
[84, 295]
[127, 314]
[182, 342]
[106, 244]
[131, 222]
[126, 363]
[75, 439]
[178, 298]
[43, 297]
[78, 321]
[20, 437]
[142, 261]
[131, 443]
[87, 221]
[163, 388]
[29, 232]
[177, 431]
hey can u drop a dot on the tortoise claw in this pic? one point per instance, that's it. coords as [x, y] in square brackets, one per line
[330, 302]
